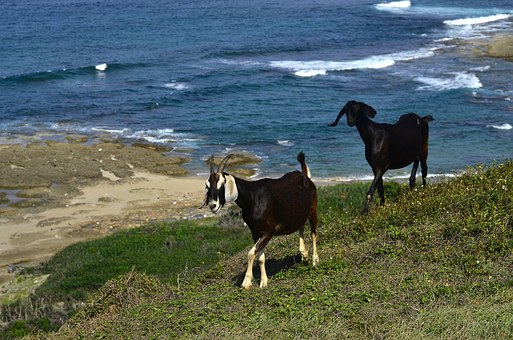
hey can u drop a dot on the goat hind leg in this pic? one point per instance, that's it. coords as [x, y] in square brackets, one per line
[313, 228]
[424, 167]
[414, 173]
[302, 247]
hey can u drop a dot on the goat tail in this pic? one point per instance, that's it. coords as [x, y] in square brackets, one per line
[428, 118]
[304, 168]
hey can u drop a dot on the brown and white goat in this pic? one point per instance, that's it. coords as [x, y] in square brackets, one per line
[269, 207]
[389, 146]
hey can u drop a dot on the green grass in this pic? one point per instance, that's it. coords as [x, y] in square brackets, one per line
[432, 263]
[170, 251]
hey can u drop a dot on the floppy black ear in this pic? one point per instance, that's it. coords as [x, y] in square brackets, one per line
[368, 110]
[341, 113]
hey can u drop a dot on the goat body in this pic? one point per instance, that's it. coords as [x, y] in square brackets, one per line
[269, 207]
[389, 146]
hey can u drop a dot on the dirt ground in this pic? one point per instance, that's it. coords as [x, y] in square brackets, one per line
[53, 194]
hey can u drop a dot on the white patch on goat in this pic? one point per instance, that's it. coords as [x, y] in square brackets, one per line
[230, 189]
[221, 181]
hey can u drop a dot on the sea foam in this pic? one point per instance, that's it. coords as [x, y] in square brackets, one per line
[393, 5]
[477, 20]
[321, 67]
[458, 81]
[504, 126]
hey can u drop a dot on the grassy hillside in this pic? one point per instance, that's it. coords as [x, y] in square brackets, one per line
[433, 263]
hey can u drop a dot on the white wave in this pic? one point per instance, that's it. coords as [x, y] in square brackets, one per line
[177, 86]
[477, 20]
[393, 5]
[504, 126]
[481, 69]
[458, 81]
[285, 142]
[111, 131]
[310, 73]
[368, 178]
[158, 136]
[101, 67]
[321, 67]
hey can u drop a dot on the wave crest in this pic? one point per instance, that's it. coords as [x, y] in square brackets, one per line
[458, 81]
[393, 5]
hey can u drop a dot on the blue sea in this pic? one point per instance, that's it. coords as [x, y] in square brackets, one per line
[262, 76]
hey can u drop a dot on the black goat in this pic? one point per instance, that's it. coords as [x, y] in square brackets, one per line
[389, 146]
[269, 207]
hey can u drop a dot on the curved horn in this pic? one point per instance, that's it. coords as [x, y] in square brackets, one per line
[223, 163]
[212, 164]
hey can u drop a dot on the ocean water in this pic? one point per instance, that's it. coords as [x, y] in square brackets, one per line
[262, 76]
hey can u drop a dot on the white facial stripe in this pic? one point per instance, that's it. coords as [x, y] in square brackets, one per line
[221, 181]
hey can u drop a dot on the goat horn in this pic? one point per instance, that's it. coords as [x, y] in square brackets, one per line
[212, 164]
[223, 163]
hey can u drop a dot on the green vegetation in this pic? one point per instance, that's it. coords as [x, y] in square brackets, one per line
[433, 263]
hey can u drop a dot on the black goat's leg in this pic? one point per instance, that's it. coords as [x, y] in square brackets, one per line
[381, 191]
[424, 166]
[414, 173]
[370, 193]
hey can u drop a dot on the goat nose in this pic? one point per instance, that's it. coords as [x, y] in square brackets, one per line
[212, 206]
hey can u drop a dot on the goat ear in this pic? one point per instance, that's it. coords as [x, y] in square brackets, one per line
[368, 110]
[230, 189]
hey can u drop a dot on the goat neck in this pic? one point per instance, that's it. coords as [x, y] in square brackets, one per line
[245, 194]
[365, 127]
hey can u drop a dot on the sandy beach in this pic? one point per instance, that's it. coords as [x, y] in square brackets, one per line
[41, 218]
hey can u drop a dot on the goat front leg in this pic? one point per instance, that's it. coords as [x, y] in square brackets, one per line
[381, 191]
[263, 273]
[370, 193]
[255, 252]
[248, 278]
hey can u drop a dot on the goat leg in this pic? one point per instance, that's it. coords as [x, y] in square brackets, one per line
[256, 252]
[248, 278]
[302, 247]
[424, 171]
[263, 273]
[315, 256]
[381, 192]
[370, 193]
[414, 173]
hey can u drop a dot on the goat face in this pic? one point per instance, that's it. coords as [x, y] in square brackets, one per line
[353, 111]
[220, 187]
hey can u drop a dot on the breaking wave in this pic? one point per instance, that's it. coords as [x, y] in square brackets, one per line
[457, 81]
[321, 67]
